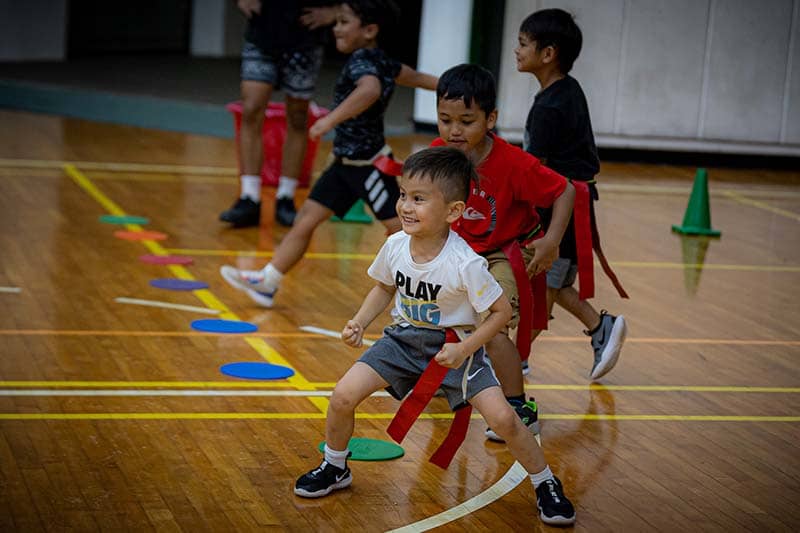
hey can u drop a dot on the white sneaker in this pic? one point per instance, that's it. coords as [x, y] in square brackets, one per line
[251, 282]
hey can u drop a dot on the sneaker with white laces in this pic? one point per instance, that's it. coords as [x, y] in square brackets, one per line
[607, 341]
[251, 282]
[323, 480]
[528, 412]
[554, 508]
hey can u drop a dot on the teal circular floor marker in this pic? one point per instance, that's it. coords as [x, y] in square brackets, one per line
[127, 219]
[371, 449]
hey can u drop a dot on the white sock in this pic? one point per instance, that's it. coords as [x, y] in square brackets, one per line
[272, 277]
[251, 187]
[337, 459]
[286, 187]
[541, 477]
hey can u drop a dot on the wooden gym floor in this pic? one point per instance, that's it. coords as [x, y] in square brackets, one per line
[116, 417]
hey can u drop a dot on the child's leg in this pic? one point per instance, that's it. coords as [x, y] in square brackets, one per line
[505, 361]
[580, 309]
[554, 507]
[295, 243]
[358, 383]
[500, 416]
[354, 387]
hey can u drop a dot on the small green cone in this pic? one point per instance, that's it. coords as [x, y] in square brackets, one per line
[355, 214]
[697, 219]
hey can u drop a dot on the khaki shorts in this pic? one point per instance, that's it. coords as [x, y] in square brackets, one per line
[500, 268]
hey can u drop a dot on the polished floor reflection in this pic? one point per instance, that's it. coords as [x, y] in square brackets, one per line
[115, 416]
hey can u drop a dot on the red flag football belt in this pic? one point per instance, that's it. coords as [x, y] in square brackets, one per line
[430, 380]
[532, 298]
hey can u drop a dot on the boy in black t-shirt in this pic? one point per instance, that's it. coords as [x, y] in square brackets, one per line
[559, 132]
[362, 92]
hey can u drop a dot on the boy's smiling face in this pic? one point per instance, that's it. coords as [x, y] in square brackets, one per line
[423, 210]
[464, 127]
[350, 34]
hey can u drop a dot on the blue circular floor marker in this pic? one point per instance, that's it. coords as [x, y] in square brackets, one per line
[217, 325]
[175, 284]
[256, 371]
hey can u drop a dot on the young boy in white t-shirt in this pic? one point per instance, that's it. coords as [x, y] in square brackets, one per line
[438, 285]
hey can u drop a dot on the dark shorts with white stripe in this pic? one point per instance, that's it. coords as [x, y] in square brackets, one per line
[341, 186]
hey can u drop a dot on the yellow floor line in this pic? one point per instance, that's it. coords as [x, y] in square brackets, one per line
[206, 296]
[761, 205]
[267, 335]
[119, 167]
[383, 416]
[327, 386]
[370, 257]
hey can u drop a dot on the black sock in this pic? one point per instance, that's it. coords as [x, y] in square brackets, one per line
[516, 401]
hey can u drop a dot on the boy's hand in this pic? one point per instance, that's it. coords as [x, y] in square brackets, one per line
[545, 253]
[317, 17]
[320, 128]
[353, 334]
[452, 355]
[249, 7]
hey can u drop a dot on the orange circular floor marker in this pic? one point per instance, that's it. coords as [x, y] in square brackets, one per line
[140, 235]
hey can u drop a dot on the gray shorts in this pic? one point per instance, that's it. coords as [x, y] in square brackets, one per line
[562, 273]
[293, 71]
[403, 353]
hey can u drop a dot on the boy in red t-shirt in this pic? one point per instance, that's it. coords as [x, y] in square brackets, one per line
[501, 209]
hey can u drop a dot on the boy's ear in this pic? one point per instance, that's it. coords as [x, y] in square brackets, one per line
[371, 31]
[455, 210]
[491, 119]
[549, 54]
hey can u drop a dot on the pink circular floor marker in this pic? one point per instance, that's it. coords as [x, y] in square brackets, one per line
[140, 235]
[166, 259]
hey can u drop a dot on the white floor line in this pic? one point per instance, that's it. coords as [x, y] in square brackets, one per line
[515, 475]
[166, 392]
[167, 305]
[330, 333]
[10, 289]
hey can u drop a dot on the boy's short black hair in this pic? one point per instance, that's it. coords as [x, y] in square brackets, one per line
[449, 168]
[556, 28]
[380, 12]
[470, 83]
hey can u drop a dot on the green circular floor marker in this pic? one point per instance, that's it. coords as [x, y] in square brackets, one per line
[127, 219]
[371, 449]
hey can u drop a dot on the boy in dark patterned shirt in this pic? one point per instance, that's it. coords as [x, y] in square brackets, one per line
[362, 93]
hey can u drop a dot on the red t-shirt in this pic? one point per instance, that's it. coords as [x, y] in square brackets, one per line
[501, 208]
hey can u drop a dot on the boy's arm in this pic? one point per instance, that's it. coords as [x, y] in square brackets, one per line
[409, 77]
[546, 248]
[366, 93]
[376, 301]
[453, 355]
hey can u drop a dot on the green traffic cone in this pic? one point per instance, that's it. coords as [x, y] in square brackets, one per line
[355, 214]
[697, 220]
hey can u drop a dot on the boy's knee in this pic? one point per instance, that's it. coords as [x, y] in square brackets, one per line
[505, 422]
[341, 402]
[252, 111]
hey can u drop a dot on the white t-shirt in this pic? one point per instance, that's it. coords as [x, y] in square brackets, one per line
[451, 290]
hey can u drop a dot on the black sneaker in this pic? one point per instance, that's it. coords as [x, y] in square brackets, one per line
[285, 211]
[243, 213]
[554, 508]
[322, 481]
[528, 412]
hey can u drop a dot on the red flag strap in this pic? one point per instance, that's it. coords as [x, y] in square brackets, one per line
[389, 166]
[430, 380]
[583, 239]
[604, 263]
[532, 299]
